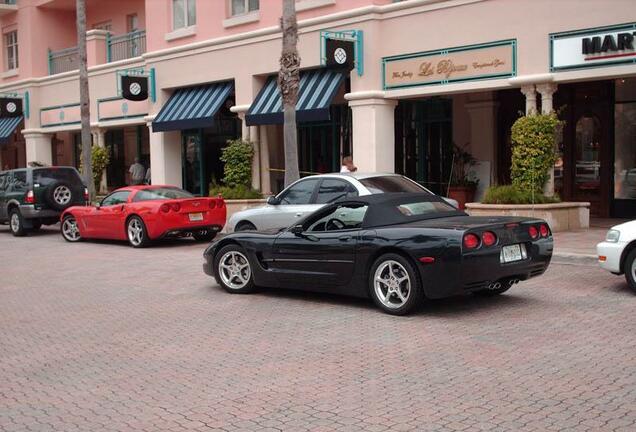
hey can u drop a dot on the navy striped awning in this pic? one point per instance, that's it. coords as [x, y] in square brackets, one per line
[316, 91]
[192, 107]
[7, 126]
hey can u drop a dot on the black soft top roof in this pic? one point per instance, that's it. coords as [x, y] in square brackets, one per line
[383, 208]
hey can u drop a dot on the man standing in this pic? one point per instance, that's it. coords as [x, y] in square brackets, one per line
[137, 173]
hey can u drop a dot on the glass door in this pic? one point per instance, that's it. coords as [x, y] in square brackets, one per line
[192, 169]
[624, 194]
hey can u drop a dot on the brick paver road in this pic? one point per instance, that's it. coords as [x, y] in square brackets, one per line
[101, 337]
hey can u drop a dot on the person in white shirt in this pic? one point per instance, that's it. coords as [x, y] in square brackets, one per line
[137, 173]
[347, 165]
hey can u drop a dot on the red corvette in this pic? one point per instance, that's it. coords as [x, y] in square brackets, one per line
[141, 214]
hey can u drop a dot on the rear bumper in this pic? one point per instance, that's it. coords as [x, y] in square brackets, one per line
[29, 211]
[612, 253]
[189, 230]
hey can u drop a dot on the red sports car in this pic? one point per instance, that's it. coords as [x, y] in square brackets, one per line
[141, 214]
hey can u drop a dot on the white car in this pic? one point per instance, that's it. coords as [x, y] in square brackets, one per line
[310, 193]
[617, 254]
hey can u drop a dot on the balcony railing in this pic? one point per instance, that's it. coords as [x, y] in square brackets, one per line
[126, 46]
[63, 60]
[8, 2]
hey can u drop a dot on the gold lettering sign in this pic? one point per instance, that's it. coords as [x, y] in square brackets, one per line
[458, 64]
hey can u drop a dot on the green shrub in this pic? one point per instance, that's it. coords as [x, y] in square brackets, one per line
[510, 194]
[235, 192]
[100, 159]
[237, 157]
[533, 154]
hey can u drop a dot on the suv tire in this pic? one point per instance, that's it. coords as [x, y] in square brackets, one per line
[59, 195]
[16, 223]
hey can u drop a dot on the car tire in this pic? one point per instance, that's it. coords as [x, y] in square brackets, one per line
[245, 226]
[59, 196]
[69, 230]
[136, 232]
[16, 223]
[236, 279]
[401, 290]
[204, 235]
[629, 268]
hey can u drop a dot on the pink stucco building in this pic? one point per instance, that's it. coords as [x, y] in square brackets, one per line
[427, 74]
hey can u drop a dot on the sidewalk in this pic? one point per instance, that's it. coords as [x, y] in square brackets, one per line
[579, 247]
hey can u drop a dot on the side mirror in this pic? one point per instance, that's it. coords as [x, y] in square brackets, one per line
[98, 206]
[297, 229]
[273, 200]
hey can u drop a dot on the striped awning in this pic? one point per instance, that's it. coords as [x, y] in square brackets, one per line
[7, 126]
[192, 107]
[317, 89]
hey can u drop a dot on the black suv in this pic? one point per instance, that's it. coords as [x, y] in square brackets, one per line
[32, 197]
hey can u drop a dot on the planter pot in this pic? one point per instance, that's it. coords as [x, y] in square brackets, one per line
[565, 216]
[237, 205]
[462, 194]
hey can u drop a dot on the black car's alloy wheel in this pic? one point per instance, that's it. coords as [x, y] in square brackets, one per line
[233, 269]
[16, 223]
[136, 232]
[394, 284]
[69, 229]
[629, 267]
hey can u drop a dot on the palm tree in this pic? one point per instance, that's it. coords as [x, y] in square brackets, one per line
[288, 82]
[87, 165]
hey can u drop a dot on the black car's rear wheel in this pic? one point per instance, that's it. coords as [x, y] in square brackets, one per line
[629, 268]
[16, 223]
[69, 229]
[394, 284]
[233, 269]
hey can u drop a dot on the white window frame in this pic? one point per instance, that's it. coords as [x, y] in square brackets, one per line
[104, 25]
[186, 17]
[11, 47]
[246, 8]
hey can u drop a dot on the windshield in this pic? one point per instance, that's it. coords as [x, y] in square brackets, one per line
[389, 184]
[47, 176]
[163, 193]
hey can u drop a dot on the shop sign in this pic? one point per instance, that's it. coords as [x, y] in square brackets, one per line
[467, 63]
[10, 107]
[593, 47]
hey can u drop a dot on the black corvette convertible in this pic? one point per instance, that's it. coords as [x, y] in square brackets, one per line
[395, 248]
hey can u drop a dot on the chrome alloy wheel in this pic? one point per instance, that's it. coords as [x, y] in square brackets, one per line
[62, 195]
[70, 229]
[234, 270]
[135, 232]
[392, 284]
[15, 222]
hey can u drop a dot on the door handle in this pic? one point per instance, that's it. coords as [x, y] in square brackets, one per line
[344, 238]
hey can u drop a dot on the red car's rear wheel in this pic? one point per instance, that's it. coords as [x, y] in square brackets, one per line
[137, 233]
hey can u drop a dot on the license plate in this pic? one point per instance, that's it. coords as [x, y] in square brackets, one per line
[195, 217]
[512, 253]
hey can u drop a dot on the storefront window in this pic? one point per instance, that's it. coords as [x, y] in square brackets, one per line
[192, 162]
[625, 139]
[588, 164]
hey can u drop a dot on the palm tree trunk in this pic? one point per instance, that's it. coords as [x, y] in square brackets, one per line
[288, 82]
[87, 166]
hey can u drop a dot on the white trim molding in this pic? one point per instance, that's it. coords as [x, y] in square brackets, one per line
[181, 33]
[245, 18]
[303, 5]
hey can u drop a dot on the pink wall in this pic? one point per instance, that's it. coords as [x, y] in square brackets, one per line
[210, 16]
[116, 11]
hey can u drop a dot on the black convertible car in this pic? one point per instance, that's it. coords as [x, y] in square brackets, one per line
[395, 248]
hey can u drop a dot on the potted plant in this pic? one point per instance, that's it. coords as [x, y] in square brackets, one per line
[462, 188]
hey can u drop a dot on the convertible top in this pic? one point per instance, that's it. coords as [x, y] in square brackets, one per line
[385, 209]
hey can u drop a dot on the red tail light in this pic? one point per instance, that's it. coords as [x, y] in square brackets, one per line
[30, 198]
[489, 238]
[471, 241]
[175, 207]
[544, 230]
[212, 203]
[534, 233]
[165, 208]
[426, 259]
[221, 202]
[86, 197]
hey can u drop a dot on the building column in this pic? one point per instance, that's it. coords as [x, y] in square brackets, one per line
[483, 139]
[373, 134]
[266, 186]
[165, 158]
[38, 147]
[547, 90]
[530, 93]
[99, 138]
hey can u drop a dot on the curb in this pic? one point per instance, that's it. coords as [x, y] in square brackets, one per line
[574, 258]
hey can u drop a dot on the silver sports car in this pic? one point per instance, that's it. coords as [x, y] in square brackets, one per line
[310, 193]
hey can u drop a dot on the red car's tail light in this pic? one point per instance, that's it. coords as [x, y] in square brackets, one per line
[544, 230]
[212, 203]
[30, 198]
[165, 208]
[534, 233]
[175, 207]
[471, 241]
[489, 238]
[221, 203]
